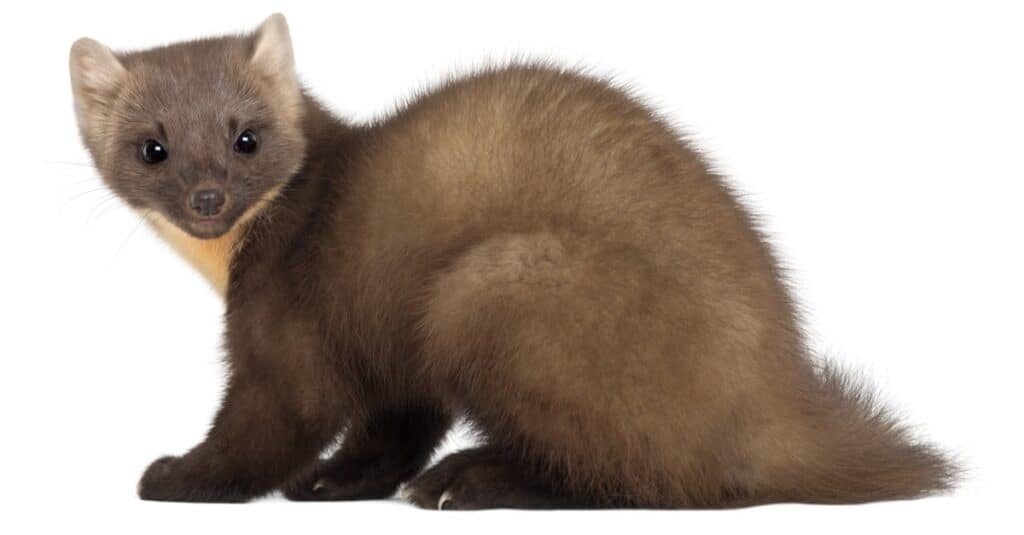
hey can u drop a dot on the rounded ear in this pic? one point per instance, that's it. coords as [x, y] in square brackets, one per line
[272, 58]
[96, 77]
[272, 48]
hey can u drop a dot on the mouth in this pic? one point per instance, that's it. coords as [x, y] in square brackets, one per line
[207, 228]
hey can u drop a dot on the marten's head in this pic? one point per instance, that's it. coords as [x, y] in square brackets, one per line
[199, 132]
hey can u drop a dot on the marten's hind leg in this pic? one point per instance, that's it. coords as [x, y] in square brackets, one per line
[560, 351]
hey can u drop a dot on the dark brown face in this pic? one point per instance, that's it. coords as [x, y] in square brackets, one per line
[197, 132]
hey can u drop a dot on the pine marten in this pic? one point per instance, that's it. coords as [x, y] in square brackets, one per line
[527, 247]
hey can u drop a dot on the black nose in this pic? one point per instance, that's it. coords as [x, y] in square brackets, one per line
[207, 202]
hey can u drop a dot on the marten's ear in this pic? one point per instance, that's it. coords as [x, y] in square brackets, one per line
[96, 77]
[272, 49]
[272, 57]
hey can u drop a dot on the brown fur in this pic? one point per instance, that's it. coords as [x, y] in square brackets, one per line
[527, 246]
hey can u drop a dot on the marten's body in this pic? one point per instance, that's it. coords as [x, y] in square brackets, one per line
[526, 246]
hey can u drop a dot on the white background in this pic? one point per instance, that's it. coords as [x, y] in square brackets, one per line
[882, 142]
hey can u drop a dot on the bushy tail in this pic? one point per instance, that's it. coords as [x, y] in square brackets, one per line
[865, 453]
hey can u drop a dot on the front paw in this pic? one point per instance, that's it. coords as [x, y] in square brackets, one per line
[354, 480]
[162, 481]
[169, 479]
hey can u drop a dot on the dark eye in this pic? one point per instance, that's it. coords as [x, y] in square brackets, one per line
[153, 152]
[246, 142]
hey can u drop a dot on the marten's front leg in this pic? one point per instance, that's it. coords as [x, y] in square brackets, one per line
[389, 448]
[259, 438]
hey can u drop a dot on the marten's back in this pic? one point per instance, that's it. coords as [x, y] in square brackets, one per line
[528, 148]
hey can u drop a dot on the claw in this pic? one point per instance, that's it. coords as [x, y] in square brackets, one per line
[446, 497]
